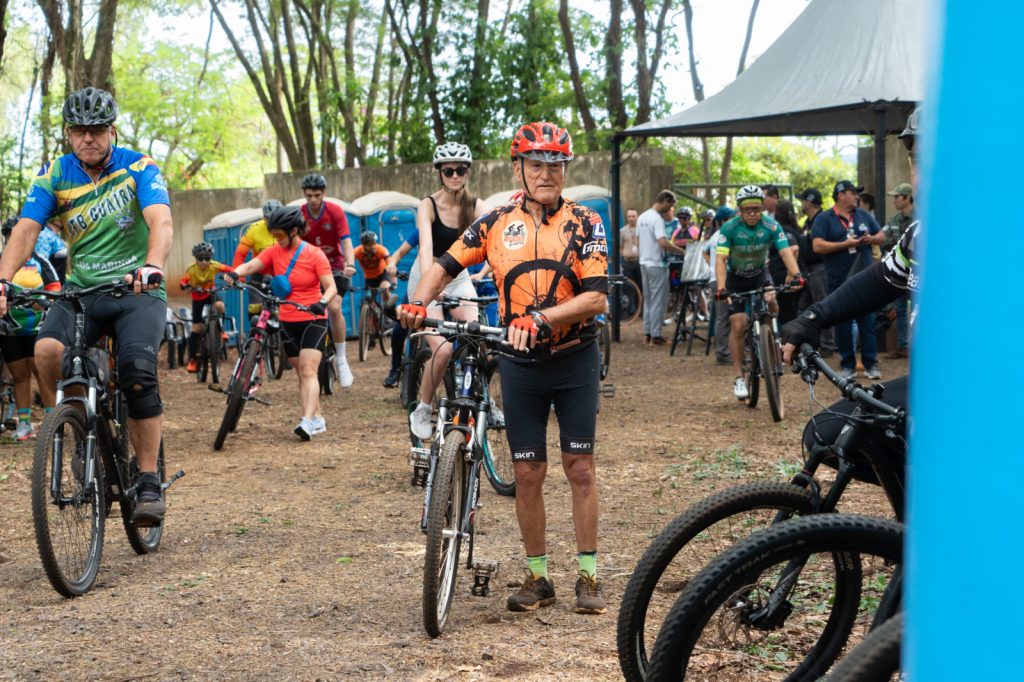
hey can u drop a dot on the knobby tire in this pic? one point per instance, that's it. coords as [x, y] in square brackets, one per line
[498, 463]
[771, 365]
[236, 395]
[441, 564]
[751, 367]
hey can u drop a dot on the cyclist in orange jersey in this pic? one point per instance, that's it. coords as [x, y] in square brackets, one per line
[549, 258]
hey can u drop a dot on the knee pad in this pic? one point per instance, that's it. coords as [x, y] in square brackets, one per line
[138, 380]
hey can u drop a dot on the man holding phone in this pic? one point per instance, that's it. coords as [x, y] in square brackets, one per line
[844, 236]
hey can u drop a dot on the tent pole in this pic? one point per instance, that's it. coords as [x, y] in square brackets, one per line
[880, 165]
[613, 236]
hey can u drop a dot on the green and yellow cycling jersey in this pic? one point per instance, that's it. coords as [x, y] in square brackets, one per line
[746, 248]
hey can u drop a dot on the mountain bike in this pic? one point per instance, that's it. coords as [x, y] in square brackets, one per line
[784, 602]
[210, 351]
[694, 306]
[876, 658]
[497, 455]
[374, 326]
[248, 374]
[762, 352]
[457, 454]
[327, 372]
[84, 458]
[869, 448]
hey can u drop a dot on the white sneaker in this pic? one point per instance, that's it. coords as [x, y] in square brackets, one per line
[739, 389]
[304, 430]
[847, 373]
[319, 426]
[345, 377]
[24, 431]
[421, 421]
[873, 372]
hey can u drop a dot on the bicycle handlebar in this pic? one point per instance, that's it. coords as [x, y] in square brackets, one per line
[452, 328]
[760, 291]
[809, 362]
[269, 298]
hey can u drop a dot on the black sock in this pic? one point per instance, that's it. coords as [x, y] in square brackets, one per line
[193, 344]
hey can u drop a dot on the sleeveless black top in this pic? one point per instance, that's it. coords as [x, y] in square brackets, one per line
[442, 236]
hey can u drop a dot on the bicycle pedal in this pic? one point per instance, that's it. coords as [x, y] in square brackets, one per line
[608, 390]
[261, 401]
[483, 571]
[170, 481]
[419, 456]
[216, 389]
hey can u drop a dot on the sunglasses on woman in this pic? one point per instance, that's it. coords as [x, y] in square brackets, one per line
[458, 170]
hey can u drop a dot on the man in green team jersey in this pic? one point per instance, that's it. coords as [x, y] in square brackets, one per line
[742, 248]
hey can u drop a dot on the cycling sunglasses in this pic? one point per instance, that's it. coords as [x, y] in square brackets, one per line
[458, 170]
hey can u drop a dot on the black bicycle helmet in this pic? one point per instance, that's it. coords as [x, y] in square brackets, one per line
[314, 181]
[9, 226]
[90, 107]
[368, 238]
[270, 206]
[286, 218]
[202, 250]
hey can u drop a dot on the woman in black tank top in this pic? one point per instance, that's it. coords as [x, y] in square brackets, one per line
[441, 218]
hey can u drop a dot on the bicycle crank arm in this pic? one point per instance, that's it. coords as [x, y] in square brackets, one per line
[261, 401]
[217, 389]
[170, 481]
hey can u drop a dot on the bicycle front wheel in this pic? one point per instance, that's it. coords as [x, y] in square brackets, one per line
[771, 368]
[751, 367]
[686, 545]
[213, 349]
[782, 603]
[497, 454]
[365, 333]
[68, 505]
[876, 659]
[276, 362]
[237, 394]
[444, 534]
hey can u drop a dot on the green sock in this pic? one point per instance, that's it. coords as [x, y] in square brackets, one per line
[588, 563]
[24, 415]
[538, 565]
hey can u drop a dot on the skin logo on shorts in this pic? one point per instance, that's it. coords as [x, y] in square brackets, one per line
[514, 236]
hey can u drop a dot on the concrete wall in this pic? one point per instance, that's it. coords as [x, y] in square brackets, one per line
[192, 209]
[643, 175]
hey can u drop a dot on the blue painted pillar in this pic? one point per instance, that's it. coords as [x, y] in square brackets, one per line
[967, 454]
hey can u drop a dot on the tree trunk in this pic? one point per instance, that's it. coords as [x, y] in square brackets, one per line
[475, 96]
[647, 64]
[3, 28]
[613, 60]
[698, 89]
[589, 127]
[373, 93]
[727, 157]
[45, 78]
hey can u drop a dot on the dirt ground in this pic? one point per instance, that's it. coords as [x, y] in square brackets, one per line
[284, 559]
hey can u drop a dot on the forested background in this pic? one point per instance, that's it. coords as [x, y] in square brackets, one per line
[340, 83]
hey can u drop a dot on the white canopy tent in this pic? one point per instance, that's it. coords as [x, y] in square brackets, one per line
[839, 68]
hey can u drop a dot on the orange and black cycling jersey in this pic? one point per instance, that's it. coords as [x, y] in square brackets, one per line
[373, 261]
[538, 266]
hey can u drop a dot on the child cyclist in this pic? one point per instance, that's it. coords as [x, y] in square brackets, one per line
[199, 279]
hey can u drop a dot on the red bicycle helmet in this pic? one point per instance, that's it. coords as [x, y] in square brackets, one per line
[542, 141]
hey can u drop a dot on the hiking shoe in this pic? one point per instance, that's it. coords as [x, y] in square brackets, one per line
[533, 593]
[421, 421]
[191, 369]
[149, 501]
[318, 424]
[589, 598]
[497, 418]
[873, 372]
[305, 429]
[739, 389]
[899, 353]
[847, 372]
[391, 380]
[657, 341]
[345, 377]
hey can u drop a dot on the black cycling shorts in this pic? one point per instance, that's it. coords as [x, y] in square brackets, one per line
[342, 282]
[571, 382]
[308, 334]
[135, 321]
[14, 348]
[741, 284]
[198, 306]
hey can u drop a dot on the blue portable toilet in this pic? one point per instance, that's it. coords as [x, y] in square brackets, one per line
[596, 198]
[349, 304]
[224, 231]
[500, 198]
[392, 216]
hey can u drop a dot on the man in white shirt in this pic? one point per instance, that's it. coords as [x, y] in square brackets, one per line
[654, 242]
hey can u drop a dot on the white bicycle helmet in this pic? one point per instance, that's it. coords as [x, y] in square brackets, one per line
[452, 152]
[749, 193]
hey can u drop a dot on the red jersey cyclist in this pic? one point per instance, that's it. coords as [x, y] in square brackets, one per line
[307, 272]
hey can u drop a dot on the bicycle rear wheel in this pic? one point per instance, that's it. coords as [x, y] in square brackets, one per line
[771, 368]
[68, 510]
[364, 331]
[751, 367]
[497, 454]
[143, 540]
[202, 361]
[444, 538]
[750, 612]
[384, 327]
[686, 545]
[876, 659]
[276, 361]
